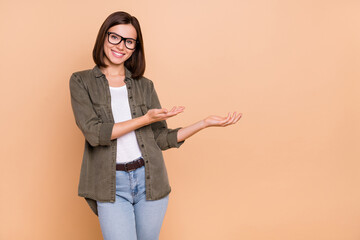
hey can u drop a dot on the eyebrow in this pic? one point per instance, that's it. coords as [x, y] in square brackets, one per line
[122, 36]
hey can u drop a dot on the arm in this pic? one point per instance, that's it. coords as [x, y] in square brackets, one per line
[188, 131]
[166, 138]
[152, 116]
[121, 128]
[97, 132]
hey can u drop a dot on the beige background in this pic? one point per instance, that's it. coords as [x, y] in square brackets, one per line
[289, 169]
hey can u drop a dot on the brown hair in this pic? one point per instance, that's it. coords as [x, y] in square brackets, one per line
[136, 63]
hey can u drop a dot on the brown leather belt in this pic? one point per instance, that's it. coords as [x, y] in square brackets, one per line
[130, 166]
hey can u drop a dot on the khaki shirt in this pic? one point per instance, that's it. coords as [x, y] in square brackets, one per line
[91, 104]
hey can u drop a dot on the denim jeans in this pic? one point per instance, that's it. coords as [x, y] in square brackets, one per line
[131, 216]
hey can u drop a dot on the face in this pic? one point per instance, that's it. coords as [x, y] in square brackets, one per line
[118, 54]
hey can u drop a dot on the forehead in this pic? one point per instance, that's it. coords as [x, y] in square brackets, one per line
[124, 30]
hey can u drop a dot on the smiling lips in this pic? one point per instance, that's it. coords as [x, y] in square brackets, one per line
[117, 54]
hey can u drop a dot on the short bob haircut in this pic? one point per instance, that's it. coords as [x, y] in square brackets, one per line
[136, 63]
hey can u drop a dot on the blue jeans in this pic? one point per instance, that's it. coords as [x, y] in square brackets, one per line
[131, 216]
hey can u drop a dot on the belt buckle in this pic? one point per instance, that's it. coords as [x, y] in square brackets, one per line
[127, 169]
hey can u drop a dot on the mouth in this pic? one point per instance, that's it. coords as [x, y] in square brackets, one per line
[117, 54]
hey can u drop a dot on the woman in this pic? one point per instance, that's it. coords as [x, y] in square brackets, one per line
[123, 175]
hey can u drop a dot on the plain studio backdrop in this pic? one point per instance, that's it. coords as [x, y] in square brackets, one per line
[288, 170]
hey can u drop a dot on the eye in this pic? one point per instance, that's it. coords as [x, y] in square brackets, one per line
[129, 41]
[112, 36]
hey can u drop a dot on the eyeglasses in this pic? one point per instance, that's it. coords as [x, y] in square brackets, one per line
[116, 39]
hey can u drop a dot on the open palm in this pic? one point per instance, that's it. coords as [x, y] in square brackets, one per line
[217, 121]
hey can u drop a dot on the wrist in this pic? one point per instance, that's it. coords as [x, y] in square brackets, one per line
[203, 124]
[145, 120]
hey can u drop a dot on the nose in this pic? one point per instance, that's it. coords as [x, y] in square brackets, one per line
[121, 45]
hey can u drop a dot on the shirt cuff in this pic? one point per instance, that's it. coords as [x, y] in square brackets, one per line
[105, 133]
[172, 138]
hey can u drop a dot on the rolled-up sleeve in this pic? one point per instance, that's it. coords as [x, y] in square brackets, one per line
[165, 137]
[95, 131]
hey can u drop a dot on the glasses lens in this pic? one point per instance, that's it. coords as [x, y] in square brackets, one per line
[114, 39]
[130, 43]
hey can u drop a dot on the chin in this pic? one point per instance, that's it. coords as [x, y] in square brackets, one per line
[116, 61]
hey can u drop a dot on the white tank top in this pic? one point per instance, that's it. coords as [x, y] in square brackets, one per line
[127, 145]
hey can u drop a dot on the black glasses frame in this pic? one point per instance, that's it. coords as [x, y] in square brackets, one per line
[121, 39]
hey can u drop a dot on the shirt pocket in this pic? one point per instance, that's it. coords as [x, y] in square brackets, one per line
[144, 109]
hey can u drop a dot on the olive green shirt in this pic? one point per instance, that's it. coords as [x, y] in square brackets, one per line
[91, 104]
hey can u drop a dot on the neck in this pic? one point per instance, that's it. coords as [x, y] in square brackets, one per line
[113, 69]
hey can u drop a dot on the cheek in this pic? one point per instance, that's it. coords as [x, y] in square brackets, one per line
[106, 47]
[130, 54]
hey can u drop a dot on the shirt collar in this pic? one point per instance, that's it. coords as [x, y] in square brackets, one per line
[97, 72]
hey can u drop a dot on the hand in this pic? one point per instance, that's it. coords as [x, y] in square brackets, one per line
[216, 121]
[155, 115]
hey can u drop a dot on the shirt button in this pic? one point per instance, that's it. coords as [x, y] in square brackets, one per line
[134, 113]
[129, 87]
[148, 177]
[147, 161]
[142, 145]
[130, 97]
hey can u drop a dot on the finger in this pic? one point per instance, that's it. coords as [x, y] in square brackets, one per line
[176, 112]
[224, 121]
[179, 109]
[238, 117]
[175, 109]
[228, 117]
[221, 120]
[162, 110]
[235, 118]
